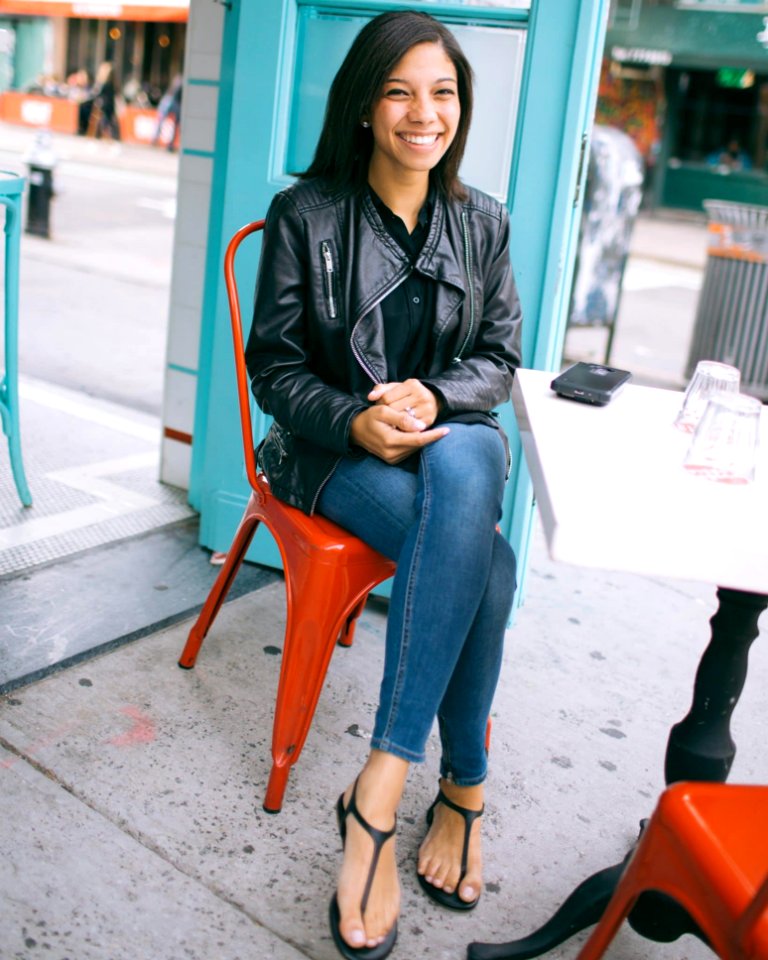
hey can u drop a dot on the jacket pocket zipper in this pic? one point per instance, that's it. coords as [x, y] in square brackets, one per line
[278, 438]
[470, 281]
[328, 272]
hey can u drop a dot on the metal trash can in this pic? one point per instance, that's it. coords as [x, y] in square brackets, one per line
[732, 317]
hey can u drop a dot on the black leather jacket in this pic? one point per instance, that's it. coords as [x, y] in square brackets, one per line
[316, 347]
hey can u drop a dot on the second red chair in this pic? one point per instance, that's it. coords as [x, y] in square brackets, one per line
[706, 846]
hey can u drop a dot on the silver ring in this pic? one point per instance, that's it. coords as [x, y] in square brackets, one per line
[410, 411]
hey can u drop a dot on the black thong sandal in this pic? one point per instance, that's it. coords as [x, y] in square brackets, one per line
[379, 838]
[452, 900]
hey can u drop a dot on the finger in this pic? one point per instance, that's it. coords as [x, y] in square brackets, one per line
[409, 422]
[379, 390]
[414, 439]
[399, 446]
[392, 394]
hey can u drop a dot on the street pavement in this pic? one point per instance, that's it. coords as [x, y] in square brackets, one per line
[94, 297]
[130, 807]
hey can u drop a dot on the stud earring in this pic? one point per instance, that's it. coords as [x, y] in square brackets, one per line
[364, 123]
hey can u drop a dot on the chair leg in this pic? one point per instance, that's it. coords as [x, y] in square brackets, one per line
[220, 589]
[313, 624]
[278, 781]
[747, 934]
[347, 634]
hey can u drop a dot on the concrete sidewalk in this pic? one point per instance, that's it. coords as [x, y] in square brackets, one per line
[131, 791]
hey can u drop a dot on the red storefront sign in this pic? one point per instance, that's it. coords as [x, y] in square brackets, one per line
[168, 11]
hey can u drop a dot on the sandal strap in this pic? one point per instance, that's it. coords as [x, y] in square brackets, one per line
[379, 838]
[469, 817]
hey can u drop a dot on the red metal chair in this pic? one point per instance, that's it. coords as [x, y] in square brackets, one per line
[328, 575]
[706, 846]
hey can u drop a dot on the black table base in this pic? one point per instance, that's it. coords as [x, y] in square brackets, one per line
[700, 747]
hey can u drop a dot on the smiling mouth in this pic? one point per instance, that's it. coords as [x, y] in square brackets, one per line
[420, 139]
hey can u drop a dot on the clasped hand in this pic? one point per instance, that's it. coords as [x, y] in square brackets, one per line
[398, 422]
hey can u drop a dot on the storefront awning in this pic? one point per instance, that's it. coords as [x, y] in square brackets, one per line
[693, 37]
[167, 11]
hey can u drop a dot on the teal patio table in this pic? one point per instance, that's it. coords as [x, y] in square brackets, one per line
[11, 193]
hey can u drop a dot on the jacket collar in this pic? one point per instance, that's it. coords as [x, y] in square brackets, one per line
[441, 257]
[380, 265]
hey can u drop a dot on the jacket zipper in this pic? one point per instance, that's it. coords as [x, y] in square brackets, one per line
[468, 268]
[322, 486]
[279, 443]
[355, 352]
[325, 249]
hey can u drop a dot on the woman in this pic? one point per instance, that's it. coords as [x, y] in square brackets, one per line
[386, 328]
[105, 99]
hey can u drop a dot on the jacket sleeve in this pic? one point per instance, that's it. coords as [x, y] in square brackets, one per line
[482, 378]
[277, 355]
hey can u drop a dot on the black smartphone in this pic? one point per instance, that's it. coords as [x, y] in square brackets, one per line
[590, 383]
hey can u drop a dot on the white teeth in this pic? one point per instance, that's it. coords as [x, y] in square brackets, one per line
[413, 138]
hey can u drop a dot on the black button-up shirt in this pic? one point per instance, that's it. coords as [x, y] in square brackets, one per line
[408, 310]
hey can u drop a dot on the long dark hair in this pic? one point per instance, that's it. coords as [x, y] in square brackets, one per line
[344, 147]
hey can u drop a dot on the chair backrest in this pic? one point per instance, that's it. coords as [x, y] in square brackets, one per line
[241, 374]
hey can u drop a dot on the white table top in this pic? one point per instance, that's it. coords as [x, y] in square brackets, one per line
[613, 494]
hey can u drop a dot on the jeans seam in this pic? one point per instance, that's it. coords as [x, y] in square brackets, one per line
[363, 493]
[408, 605]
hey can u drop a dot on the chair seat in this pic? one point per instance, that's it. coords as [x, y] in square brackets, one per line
[317, 535]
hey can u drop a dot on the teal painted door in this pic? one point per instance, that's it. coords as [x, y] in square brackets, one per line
[536, 65]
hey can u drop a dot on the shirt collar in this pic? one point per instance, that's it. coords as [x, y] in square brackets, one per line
[425, 214]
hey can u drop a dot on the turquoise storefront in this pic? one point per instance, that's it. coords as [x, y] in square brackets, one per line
[537, 65]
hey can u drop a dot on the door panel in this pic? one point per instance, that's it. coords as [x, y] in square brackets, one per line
[496, 51]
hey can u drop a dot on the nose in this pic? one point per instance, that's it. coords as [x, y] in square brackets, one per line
[422, 109]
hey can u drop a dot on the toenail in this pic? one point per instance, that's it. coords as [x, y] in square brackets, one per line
[357, 938]
[469, 893]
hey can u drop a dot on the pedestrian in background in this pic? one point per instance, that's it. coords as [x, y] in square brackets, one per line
[105, 103]
[79, 90]
[169, 113]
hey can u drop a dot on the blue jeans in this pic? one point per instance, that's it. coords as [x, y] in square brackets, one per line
[436, 515]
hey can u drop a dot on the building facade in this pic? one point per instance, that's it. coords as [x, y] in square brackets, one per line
[44, 42]
[688, 80]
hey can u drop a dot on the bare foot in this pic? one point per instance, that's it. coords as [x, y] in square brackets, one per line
[440, 853]
[378, 794]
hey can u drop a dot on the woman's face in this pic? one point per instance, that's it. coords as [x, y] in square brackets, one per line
[416, 115]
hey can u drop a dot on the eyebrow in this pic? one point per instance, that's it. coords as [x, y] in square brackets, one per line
[439, 80]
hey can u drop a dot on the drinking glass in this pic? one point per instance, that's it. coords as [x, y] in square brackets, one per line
[724, 445]
[710, 377]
